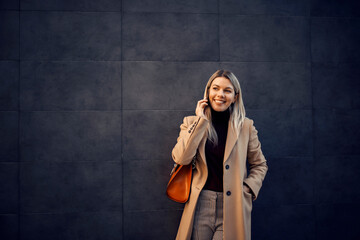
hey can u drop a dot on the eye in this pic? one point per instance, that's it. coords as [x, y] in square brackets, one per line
[215, 88]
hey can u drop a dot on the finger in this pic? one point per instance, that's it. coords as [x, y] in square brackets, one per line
[203, 105]
[201, 102]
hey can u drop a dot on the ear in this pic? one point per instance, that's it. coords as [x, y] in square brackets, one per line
[235, 98]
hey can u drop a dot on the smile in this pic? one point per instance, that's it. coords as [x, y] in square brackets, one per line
[219, 101]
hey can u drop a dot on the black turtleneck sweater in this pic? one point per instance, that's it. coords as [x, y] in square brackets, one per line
[215, 154]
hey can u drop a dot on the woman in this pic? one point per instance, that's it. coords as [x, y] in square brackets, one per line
[222, 139]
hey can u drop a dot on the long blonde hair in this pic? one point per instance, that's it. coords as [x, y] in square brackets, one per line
[237, 109]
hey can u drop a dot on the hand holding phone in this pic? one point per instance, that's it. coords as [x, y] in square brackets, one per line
[200, 108]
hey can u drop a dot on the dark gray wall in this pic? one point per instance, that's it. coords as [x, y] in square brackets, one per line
[92, 94]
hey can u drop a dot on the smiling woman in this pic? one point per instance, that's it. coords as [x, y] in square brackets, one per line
[221, 94]
[222, 189]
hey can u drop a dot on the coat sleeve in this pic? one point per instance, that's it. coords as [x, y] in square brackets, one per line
[257, 162]
[191, 133]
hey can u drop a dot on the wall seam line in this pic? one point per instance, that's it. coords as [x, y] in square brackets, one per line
[19, 116]
[312, 125]
[122, 118]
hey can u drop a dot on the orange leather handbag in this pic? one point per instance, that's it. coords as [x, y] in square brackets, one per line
[178, 188]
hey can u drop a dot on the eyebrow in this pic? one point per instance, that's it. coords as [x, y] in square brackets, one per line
[225, 88]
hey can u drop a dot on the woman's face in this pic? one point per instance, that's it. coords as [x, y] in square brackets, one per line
[221, 94]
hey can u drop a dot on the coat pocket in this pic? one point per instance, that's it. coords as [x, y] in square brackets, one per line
[247, 194]
[247, 201]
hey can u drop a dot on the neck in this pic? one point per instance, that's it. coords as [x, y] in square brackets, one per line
[220, 116]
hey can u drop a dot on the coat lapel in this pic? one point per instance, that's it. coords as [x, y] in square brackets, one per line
[231, 139]
[202, 148]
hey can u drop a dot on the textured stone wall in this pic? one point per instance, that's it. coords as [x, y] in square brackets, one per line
[92, 94]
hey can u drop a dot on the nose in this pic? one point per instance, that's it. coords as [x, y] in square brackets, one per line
[221, 93]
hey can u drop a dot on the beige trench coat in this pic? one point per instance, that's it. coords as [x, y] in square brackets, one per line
[240, 146]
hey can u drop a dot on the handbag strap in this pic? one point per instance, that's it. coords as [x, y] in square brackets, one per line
[193, 163]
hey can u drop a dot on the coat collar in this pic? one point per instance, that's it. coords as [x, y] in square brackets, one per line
[232, 137]
[202, 147]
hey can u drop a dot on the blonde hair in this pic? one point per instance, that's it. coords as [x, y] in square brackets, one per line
[237, 109]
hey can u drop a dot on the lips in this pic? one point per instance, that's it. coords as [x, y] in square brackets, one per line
[219, 101]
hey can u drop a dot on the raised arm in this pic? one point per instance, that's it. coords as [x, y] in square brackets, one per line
[192, 130]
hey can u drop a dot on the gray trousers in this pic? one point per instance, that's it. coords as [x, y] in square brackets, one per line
[208, 221]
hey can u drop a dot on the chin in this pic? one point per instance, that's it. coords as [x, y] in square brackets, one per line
[219, 109]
